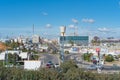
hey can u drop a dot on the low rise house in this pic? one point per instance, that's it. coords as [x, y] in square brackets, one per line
[32, 64]
[23, 55]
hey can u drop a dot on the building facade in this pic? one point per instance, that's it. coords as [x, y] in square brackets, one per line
[35, 39]
[78, 40]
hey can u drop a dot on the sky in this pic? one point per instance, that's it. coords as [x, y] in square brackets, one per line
[86, 17]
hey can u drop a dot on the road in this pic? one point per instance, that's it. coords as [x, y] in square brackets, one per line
[53, 47]
[81, 63]
[45, 58]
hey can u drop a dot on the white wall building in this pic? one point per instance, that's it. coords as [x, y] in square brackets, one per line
[32, 65]
[23, 55]
[35, 39]
[2, 56]
[15, 40]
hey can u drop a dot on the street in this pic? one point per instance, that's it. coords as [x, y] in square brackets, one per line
[84, 64]
[45, 58]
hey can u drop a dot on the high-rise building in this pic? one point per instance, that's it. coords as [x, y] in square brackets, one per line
[35, 39]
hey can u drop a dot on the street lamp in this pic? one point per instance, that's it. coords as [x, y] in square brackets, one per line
[62, 32]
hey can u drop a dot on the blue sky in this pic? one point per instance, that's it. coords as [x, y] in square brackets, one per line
[93, 17]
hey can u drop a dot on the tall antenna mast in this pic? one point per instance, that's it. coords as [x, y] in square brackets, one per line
[33, 29]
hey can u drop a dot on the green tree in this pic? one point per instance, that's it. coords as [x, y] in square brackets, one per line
[13, 58]
[35, 57]
[87, 56]
[66, 52]
[72, 74]
[109, 58]
[67, 65]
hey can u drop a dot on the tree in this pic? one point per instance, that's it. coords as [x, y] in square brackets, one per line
[35, 57]
[65, 66]
[87, 56]
[119, 56]
[109, 58]
[13, 58]
[96, 41]
[72, 74]
[66, 52]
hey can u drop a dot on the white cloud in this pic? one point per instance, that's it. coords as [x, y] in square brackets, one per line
[71, 26]
[44, 13]
[48, 25]
[103, 29]
[86, 20]
[74, 20]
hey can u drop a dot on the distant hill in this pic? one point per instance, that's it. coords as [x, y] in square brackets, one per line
[2, 47]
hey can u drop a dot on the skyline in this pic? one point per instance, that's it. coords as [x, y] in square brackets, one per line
[92, 17]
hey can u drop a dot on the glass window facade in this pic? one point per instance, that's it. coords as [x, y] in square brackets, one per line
[79, 40]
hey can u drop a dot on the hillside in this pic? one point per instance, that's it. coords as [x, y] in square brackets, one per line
[2, 47]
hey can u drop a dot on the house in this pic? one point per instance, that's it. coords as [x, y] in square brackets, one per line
[2, 55]
[32, 64]
[23, 55]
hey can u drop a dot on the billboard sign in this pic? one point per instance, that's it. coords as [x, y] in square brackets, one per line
[97, 49]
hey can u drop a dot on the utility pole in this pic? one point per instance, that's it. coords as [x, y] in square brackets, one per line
[6, 58]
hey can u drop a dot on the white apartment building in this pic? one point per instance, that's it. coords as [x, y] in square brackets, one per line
[35, 39]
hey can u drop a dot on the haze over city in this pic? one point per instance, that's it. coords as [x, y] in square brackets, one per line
[92, 17]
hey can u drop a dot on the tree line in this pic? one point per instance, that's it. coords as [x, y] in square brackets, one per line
[67, 71]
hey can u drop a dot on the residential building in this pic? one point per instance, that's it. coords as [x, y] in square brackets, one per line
[35, 39]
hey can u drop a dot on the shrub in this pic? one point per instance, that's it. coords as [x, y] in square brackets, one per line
[87, 56]
[109, 58]
[69, 71]
[66, 52]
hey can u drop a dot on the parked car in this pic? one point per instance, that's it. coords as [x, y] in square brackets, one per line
[49, 64]
[56, 65]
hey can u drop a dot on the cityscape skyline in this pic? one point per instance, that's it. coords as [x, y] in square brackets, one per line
[92, 17]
